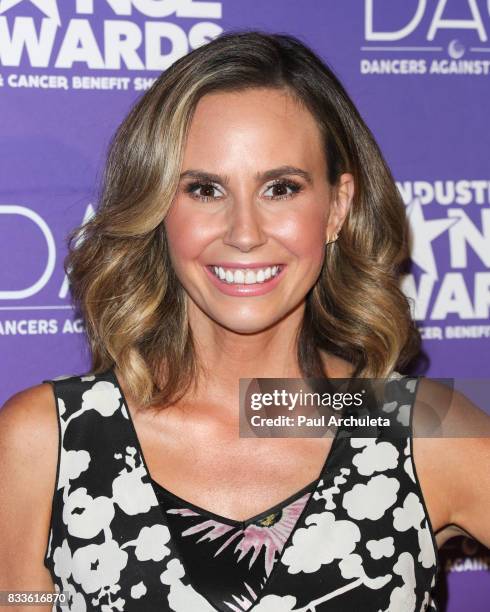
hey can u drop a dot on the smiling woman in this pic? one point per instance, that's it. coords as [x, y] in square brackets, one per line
[240, 158]
[248, 227]
[255, 234]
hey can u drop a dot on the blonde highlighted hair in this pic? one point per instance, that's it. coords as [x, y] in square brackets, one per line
[118, 264]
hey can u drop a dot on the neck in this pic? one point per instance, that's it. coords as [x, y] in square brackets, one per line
[226, 356]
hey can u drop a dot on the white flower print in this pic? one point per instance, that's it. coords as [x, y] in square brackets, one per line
[381, 548]
[410, 515]
[182, 598]
[62, 560]
[358, 442]
[62, 407]
[50, 541]
[411, 384]
[389, 406]
[86, 516]
[408, 463]
[338, 537]
[328, 492]
[376, 458]
[72, 464]
[371, 500]
[394, 375]
[426, 555]
[138, 590]
[76, 600]
[403, 598]
[351, 567]
[408, 467]
[111, 604]
[173, 572]
[98, 565]
[131, 494]
[403, 415]
[103, 397]
[275, 603]
[150, 543]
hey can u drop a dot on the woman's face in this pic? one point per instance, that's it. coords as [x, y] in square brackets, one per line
[253, 209]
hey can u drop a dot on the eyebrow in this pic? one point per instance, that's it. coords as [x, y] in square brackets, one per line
[268, 175]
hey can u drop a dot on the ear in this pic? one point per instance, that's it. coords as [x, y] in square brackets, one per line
[340, 204]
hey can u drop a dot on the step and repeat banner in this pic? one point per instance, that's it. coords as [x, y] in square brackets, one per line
[419, 72]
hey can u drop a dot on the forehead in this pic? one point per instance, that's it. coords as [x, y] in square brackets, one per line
[268, 124]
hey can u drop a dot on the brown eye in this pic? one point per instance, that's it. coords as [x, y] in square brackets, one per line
[283, 189]
[207, 191]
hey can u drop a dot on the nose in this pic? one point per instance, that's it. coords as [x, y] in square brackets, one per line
[244, 230]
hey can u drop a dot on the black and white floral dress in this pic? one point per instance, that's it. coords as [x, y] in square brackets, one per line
[357, 538]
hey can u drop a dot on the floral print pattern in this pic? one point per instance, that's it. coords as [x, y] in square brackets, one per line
[362, 539]
[228, 560]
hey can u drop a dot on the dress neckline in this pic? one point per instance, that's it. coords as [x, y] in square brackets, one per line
[318, 484]
[234, 522]
[157, 486]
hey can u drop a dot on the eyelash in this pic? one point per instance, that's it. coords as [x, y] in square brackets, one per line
[293, 185]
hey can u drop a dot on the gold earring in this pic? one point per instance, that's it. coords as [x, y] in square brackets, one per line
[335, 236]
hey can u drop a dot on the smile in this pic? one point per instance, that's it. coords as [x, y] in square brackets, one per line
[243, 281]
[246, 276]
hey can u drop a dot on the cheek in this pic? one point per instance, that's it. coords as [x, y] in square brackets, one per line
[186, 234]
[304, 233]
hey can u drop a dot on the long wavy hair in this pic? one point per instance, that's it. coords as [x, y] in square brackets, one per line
[122, 281]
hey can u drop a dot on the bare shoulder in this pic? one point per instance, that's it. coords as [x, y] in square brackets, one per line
[28, 423]
[28, 461]
[38, 399]
[451, 447]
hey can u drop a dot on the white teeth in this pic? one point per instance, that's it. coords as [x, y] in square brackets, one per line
[247, 276]
[238, 276]
[250, 277]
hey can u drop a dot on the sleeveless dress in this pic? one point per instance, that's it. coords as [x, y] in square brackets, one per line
[357, 538]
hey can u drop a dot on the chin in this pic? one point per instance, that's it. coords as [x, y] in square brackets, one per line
[247, 325]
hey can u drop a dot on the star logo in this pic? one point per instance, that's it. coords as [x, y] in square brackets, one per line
[48, 7]
[422, 233]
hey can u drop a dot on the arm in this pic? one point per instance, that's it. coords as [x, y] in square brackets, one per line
[457, 469]
[28, 461]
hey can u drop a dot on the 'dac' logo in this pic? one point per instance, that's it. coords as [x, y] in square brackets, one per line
[415, 11]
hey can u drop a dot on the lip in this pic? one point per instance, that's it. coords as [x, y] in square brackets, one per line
[250, 266]
[252, 290]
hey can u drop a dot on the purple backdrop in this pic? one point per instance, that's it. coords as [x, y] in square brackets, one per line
[418, 71]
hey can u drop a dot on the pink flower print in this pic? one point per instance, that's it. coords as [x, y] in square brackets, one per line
[269, 533]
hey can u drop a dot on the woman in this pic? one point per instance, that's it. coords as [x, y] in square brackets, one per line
[248, 227]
